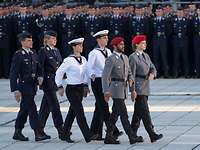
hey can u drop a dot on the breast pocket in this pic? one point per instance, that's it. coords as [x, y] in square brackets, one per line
[26, 61]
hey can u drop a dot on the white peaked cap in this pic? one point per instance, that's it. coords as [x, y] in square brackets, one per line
[78, 40]
[101, 33]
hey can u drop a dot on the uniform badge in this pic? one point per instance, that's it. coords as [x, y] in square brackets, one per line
[48, 48]
[23, 52]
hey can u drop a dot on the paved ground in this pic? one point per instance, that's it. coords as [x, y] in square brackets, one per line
[175, 110]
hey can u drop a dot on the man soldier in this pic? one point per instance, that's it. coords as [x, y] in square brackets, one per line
[115, 76]
[196, 41]
[142, 70]
[5, 43]
[23, 82]
[180, 36]
[96, 62]
[160, 33]
[50, 59]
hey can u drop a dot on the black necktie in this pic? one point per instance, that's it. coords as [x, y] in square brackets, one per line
[122, 57]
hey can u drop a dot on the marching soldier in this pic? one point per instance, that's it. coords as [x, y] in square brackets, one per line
[96, 62]
[115, 76]
[143, 70]
[49, 59]
[23, 82]
[160, 31]
[77, 87]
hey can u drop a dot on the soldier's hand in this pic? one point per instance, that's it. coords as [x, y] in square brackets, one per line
[151, 76]
[18, 96]
[93, 77]
[130, 82]
[107, 96]
[61, 91]
[40, 80]
[133, 95]
[86, 91]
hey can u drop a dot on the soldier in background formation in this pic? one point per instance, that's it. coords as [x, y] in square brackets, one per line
[163, 27]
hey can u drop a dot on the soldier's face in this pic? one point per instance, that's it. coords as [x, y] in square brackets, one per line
[142, 45]
[103, 40]
[120, 47]
[180, 13]
[159, 12]
[52, 41]
[78, 48]
[198, 12]
[27, 43]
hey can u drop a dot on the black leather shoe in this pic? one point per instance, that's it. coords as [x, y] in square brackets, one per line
[44, 134]
[156, 137]
[99, 138]
[111, 141]
[93, 137]
[40, 137]
[19, 136]
[139, 139]
[118, 134]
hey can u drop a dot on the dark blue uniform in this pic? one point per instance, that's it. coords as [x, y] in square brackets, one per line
[21, 23]
[180, 32]
[160, 34]
[23, 77]
[196, 43]
[50, 60]
[5, 35]
[67, 29]
[92, 24]
[138, 25]
[43, 24]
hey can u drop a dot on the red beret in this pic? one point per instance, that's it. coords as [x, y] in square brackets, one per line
[138, 38]
[115, 41]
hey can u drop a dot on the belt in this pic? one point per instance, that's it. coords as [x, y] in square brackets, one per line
[140, 76]
[119, 80]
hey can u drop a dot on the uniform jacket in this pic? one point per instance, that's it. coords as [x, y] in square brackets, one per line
[141, 66]
[115, 70]
[23, 72]
[49, 61]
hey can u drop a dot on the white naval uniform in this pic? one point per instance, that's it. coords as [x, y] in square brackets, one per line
[76, 72]
[96, 62]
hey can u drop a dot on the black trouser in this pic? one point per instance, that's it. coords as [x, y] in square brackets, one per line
[160, 55]
[196, 43]
[27, 108]
[4, 62]
[101, 112]
[119, 109]
[180, 53]
[50, 104]
[141, 112]
[75, 96]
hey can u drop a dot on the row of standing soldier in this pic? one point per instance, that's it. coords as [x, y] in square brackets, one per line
[29, 69]
[172, 36]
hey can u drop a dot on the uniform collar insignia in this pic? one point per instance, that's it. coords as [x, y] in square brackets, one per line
[48, 48]
[23, 52]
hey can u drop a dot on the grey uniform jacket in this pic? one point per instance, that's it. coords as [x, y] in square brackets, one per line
[141, 66]
[115, 75]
